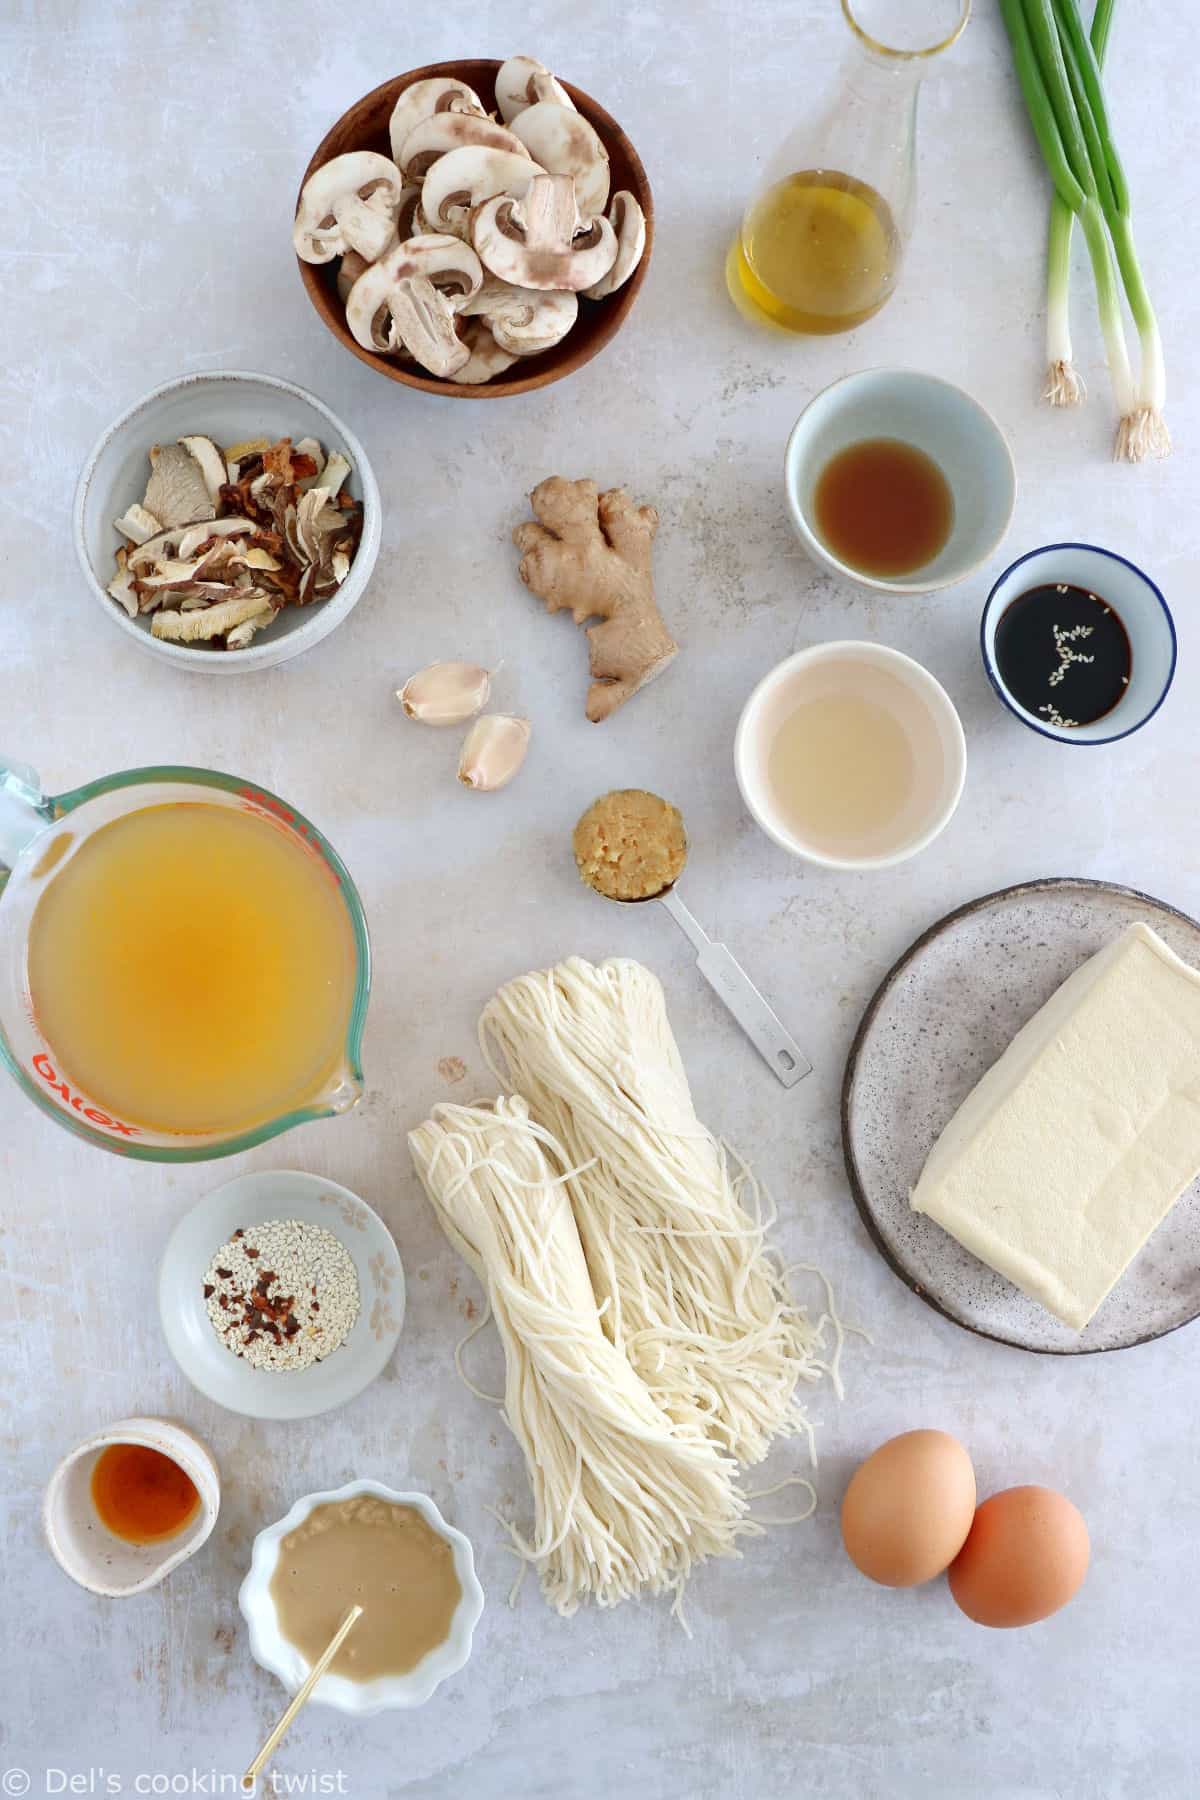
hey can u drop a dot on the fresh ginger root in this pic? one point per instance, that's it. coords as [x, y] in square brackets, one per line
[589, 554]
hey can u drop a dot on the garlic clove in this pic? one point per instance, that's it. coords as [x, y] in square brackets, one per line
[493, 751]
[445, 693]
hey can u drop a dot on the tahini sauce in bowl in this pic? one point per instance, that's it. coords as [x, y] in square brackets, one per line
[382, 1555]
[391, 1553]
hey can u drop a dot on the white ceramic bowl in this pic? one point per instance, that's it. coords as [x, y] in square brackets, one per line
[84, 1546]
[228, 406]
[1138, 604]
[920, 705]
[960, 435]
[277, 1393]
[273, 1652]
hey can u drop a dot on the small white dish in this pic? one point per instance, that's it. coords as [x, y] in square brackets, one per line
[230, 406]
[1138, 604]
[918, 703]
[83, 1545]
[958, 433]
[276, 1393]
[273, 1652]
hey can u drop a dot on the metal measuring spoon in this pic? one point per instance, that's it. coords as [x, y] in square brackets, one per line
[724, 974]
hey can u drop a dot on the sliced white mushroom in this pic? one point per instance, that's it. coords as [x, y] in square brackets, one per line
[212, 464]
[522, 82]
[137, 524]
[465, 178]
[425, 321]
[410, 212]
[486, 358]
[629, 222]
[213, 621]
[177, 492]
[524, 321]
[540, 241]
[444, 132]
[349, 204]
[451, 267]
[421, 99]
[350, 268]
[564, 143]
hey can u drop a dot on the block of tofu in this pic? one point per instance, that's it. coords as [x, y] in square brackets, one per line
[1075, 1145]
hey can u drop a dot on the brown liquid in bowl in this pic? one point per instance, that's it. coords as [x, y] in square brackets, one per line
[380, 1555]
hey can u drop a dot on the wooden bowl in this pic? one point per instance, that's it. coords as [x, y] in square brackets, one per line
[365, 127]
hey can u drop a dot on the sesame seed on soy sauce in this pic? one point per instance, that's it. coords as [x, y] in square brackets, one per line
[1063, 654]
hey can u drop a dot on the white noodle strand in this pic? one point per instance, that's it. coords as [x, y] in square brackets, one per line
[697, 1304]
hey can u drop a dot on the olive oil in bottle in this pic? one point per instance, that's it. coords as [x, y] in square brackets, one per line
[818, 252]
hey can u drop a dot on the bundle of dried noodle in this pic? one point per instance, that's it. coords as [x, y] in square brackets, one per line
[624, 1498]
[686, 1289]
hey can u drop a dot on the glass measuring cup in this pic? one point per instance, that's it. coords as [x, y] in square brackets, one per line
[821, 243]
[38, 833]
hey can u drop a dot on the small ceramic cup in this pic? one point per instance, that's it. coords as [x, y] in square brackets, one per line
[83, 1545]
[1138, 604]
[274, 1652]
[918, 704]
[959, 435]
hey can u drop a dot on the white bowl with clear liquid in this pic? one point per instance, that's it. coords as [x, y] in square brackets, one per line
[920, 709]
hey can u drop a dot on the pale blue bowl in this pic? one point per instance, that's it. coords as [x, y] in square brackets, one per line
[1138, 604]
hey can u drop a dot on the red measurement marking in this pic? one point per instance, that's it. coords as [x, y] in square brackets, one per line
[45, 1068]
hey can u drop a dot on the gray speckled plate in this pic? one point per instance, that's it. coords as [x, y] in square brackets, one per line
[942, 1016]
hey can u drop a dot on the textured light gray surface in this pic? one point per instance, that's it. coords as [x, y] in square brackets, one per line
[151, 155]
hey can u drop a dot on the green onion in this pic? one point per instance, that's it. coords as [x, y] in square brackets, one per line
[1064, 384]
[1045, 84]
[1146, 431]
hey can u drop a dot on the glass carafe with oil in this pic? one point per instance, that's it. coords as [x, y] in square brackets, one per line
[820, 246]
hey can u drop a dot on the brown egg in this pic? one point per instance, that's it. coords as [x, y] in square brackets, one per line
[908, 1508]
[1026, 1555]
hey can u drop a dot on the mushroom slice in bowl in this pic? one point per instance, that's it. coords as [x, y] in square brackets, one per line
[176, 493]
[629, 222]
[443, 132]
[465, 178]
[541, 241]
[421, 99]
[563, 142]
[350, 203]
[523, 321]
[411, 298]
[522, 82]
[485, 358]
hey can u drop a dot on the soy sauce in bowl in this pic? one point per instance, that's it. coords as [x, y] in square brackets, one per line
[1063, 654]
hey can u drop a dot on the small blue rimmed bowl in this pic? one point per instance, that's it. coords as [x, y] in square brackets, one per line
[1138, 604]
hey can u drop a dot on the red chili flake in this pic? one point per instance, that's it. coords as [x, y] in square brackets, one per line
[251, 1252]
[225, 1274]
[209, 1290]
